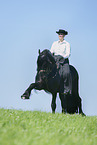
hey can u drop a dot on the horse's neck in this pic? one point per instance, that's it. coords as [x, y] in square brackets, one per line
[53, 71]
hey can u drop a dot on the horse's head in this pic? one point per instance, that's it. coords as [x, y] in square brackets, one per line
[45, 60]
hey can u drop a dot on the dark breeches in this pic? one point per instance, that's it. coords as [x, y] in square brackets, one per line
[64, 71]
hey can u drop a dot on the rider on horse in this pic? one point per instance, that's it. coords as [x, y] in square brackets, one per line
[61, 51]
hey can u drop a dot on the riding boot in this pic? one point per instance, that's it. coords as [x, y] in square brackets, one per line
[67, 79]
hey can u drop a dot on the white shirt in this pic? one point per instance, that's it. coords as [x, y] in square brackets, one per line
[61, 48]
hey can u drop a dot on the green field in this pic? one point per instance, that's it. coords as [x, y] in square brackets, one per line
[40, 128]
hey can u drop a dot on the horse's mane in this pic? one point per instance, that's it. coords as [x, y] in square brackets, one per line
[46, 65]
[45, 60]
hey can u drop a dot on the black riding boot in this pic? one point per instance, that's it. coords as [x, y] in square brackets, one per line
[66, 76]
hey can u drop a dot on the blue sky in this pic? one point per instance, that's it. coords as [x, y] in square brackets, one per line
[26, 26]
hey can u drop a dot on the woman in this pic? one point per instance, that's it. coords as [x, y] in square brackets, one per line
[61, 49]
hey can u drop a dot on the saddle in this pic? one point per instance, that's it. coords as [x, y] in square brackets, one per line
[60, 60]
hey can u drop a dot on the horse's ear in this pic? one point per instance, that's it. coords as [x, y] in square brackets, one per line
[39, 51]
[53, 53]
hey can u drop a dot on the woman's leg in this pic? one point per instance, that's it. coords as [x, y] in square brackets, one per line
[67, 78]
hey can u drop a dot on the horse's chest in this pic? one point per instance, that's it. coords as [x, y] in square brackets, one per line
[52, 84]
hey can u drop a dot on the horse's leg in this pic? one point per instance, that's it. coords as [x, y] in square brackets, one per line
[80, 107]
[28, 90]
[53, 103]
[63, 102]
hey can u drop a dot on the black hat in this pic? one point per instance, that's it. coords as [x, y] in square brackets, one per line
[62, 31]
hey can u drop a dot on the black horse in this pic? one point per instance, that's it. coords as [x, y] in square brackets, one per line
[49, 79]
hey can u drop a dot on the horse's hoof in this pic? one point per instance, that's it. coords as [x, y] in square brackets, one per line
[53, 112]
[83, 114]
[24, 97]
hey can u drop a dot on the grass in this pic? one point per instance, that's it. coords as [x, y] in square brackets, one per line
[41, 128]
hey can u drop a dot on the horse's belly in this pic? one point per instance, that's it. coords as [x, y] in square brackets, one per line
[53, 86]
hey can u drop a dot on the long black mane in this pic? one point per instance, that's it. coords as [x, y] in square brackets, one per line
[46, 69]
[45, 61]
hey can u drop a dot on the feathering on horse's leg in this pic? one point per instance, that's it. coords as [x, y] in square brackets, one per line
[80, 107]
[63, 102]
[53, 103]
